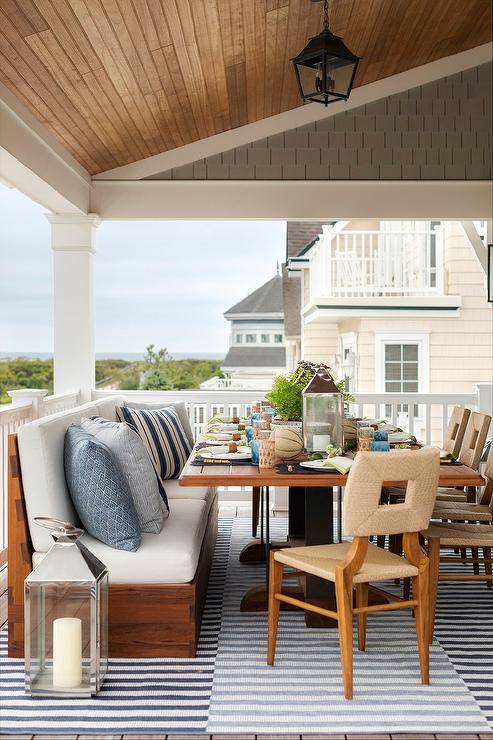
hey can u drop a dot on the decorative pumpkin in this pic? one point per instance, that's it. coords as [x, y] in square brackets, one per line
[289, 443]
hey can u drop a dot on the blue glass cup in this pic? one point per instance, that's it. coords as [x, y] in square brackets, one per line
[254, 444]
[381, 437]
[379, 446]
[249, 434]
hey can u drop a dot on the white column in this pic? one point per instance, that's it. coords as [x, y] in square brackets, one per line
[73, 243]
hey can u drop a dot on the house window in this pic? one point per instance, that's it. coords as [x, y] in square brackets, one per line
[250, 338]
[239, 338]
[402, 366]
[278, 338]
[265, 338]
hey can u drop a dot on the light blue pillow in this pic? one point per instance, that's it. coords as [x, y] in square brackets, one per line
[99, 491]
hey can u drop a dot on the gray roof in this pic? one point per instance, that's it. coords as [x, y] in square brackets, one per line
[266, 299]
[255, 357]
[301, 233]
[291, 290]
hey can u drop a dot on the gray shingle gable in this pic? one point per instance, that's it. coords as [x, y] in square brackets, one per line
[438, 131]
[266, 299]
[255, 357]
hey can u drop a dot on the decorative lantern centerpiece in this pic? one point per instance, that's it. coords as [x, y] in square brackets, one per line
[323, 413]
[66, 618]
[325, 69]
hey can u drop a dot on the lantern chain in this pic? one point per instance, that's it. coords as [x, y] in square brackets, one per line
[326, 15]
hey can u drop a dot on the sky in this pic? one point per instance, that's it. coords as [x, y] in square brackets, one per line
[161, 282]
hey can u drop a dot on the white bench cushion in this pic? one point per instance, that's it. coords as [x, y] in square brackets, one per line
[168, 557]
[175, 491]
[43, 474]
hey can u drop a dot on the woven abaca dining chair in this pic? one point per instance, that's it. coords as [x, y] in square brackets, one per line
[459, 533]
[456, 429]
[470, 455]
[452, 443]
[352, 565]
[462, 511]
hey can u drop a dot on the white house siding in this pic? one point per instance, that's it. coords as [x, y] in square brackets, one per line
[320, 341]
[460, 348]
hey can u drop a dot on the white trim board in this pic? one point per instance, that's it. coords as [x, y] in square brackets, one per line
[451, 200]
[299, 116]
[34, 162]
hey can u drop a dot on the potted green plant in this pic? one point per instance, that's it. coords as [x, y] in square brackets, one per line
[286, 393]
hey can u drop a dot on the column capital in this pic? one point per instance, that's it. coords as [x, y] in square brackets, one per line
[89, 219]
[72, 232]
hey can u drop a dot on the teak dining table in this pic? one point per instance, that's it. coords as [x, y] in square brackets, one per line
[311, 514]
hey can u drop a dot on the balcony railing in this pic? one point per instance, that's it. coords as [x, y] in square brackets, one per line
[377, 263]
[235, 384]
[423, 414]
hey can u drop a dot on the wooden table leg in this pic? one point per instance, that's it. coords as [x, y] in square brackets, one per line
[256, 598]
[319, 517]
[254, 552]
[296, 526]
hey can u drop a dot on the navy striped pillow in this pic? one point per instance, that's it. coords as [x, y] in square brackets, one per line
[163, 435]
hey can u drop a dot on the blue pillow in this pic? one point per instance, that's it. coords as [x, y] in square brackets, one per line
[99, 490]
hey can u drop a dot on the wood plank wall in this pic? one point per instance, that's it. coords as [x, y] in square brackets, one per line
[118, 80]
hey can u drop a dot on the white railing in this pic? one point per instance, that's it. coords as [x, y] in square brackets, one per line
[377, 263]
[425, 415]
[235, 384]
[27, 404]
[201, 405]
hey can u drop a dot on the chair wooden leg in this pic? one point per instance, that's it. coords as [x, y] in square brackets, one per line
[487, 566]
[475, 555]
[361, 600]
[275, 587]
[344, 598]
[434, 569]
[255, 509]
[421, 614]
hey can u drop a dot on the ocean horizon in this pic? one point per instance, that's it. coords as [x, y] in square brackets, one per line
[131, 356]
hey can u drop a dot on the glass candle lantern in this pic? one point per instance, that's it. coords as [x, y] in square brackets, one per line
[323, 413]
[66, 618]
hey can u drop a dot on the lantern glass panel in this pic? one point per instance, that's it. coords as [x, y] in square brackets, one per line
[66, 622]
[335, 83]
[60, 638]
[322, 420]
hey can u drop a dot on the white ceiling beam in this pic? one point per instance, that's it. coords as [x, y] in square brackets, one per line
[34, 162]
[479, 248]
[294, 199]
[299, 116]
[16, 175]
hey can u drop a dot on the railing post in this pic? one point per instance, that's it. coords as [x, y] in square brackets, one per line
[485, 398]
[34, 396]
[439, 260]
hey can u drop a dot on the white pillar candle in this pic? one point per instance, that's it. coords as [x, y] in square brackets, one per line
[67, 652]
[320, 442]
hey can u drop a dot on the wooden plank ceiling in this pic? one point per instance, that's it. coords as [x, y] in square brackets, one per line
[119, 80]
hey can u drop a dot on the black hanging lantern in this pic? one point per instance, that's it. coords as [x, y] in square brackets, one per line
[325, 69]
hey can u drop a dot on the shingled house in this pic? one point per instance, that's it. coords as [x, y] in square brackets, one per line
[257, 347]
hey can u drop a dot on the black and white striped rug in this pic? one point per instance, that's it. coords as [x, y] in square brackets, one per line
[228, 687]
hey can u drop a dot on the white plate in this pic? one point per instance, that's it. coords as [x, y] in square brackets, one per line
[399, 437]
[221, 453]
[317, 465]
[220, 437]
[213, 428]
